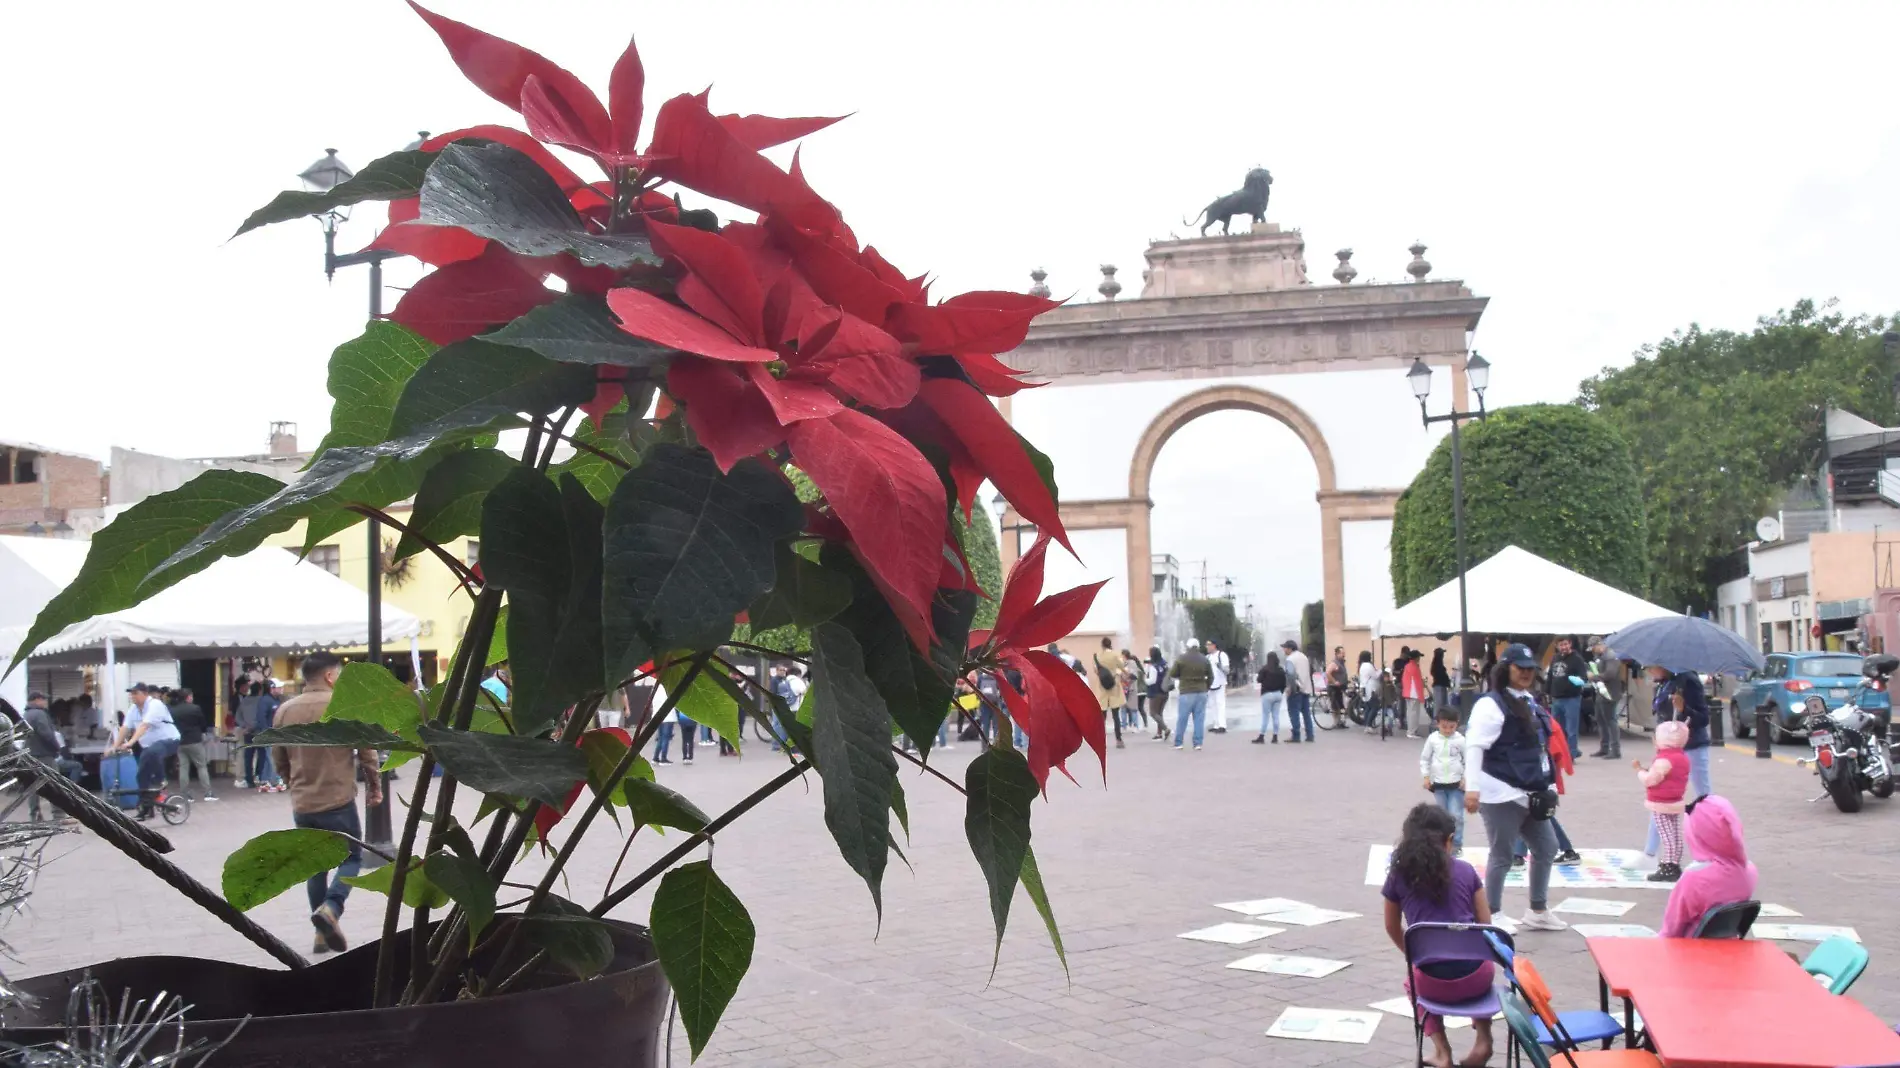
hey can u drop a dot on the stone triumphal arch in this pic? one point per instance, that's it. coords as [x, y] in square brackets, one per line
[1233, 322]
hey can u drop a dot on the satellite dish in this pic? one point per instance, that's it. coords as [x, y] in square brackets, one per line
[1768, 528]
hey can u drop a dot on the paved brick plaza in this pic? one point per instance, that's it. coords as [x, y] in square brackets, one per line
[1129, 869]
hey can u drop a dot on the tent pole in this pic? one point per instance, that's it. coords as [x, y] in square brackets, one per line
[109, 707]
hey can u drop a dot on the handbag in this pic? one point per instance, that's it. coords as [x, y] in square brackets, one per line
[1543, 803]
[1105, 677]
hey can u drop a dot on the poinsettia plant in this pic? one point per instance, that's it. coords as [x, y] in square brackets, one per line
[697, 369]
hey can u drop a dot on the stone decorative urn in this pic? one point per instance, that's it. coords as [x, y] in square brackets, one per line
[1420, 266]
[1345, 272]
[1041, 287]
[1109, 287]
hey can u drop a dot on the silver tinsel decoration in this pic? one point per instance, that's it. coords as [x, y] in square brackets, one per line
[140, 1034]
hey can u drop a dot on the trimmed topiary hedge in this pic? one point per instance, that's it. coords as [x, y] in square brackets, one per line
[1553, 479]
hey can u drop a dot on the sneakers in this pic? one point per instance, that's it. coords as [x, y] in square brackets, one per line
[1665, 873]
[1542, 921]
[211, 797]
[1197, 749]
[1118, 744]
[686, 760]
[1517, 862]
[329, 927]
[1178, 748]
[242, 784]
[1569, 856]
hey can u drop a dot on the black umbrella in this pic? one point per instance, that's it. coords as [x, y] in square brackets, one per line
[1685, 643]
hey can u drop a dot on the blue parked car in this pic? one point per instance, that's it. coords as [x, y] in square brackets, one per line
[1789, 679]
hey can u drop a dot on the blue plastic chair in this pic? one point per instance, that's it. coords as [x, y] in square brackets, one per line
[1574, 1027]
[1840, 959]
[1434, 943]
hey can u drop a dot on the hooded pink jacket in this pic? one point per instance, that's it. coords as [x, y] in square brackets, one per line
[1715, 836]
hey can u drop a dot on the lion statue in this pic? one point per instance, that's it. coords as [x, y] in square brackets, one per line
[1249, 199]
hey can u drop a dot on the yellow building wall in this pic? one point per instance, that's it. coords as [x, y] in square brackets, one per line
[430, 592]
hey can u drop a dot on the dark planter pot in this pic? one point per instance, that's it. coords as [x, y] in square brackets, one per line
[319, 1016]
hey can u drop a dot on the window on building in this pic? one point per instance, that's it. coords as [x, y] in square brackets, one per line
[327, 557]
[474, 551]
[26, 467]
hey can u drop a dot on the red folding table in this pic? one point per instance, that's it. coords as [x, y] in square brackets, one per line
[1728, 1003]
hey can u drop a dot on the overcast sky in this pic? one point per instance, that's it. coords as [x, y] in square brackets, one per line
[1605, 174]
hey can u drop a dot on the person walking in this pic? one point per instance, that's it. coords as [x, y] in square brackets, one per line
[1442, 764]
[1508, 781]
[1440, 679]
[322, 782]
[1611, 680]
[267, 706]
[1217, 690]
[1158, 682]
[1565, 682]
[191, 723]
[1412, 691]
[1108, 686]
[1272, 682]
[1299, 690]
[1196, 676]
[245, 719]
[1134, 691]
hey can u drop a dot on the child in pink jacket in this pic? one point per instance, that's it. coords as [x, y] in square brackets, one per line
[1715, 833]
[1665, 782]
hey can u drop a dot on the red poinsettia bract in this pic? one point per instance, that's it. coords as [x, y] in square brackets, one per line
[792, 340]
[1056, 708]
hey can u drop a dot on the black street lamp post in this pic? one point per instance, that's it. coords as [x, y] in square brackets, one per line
[1014, 529]
[320, 177]
[1478, 374]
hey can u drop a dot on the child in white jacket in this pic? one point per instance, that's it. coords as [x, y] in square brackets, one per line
[1442, 764]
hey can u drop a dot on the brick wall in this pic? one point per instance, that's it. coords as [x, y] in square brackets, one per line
[65, 483]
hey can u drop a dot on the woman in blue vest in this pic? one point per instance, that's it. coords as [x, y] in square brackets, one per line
[1507, 768]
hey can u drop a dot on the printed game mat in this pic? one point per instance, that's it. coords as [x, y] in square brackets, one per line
[1600, 869]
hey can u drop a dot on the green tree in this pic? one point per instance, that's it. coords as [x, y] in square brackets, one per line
[1552, 479]
[1722, 423]
[979, 547]
[1215, 618]
[1313, 629]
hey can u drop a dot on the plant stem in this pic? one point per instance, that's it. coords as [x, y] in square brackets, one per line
[659, 867]
[601, 798]
[780, 653]
[585, 447]
[554, 437]
[456, 567]
[480, 630]
[954, 785]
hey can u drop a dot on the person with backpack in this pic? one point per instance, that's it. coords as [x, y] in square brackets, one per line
[1108, 685]
[1158, 682]
[1134, 695]
[1508, 778]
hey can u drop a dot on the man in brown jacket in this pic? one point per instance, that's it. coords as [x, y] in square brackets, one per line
[322, 785]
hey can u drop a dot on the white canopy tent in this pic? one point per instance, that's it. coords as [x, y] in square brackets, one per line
[262, 603]
[1519, 592]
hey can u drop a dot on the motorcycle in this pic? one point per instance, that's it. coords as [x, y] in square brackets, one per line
[1853, 751]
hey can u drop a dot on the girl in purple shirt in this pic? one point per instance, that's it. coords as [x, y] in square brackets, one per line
[1428, 884]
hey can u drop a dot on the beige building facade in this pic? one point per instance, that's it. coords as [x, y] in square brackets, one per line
[1225, 323]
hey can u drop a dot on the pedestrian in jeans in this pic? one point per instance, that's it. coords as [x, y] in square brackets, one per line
[1442, 763]
[1195, 676]
[1506, 762]
[1272, 681]
[1159, 684]
[192, 759]
[1607, 674]
[154, 737]
[1299, 690]
[322, 782]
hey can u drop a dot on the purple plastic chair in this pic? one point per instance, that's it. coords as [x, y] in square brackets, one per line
[1433, 943]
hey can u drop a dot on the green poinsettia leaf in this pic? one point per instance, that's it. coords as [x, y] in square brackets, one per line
[275, 861]
[392, 177]
[704, 940]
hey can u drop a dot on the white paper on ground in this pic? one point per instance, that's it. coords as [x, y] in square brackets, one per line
[1326, 1025]
[1264, 904]
[1801, 932]
[1276, 964]
[1593, 906]
[1305, 916]
[1232, 934]
[1402, 1008]
[1508, 923]
[1777, 912]
[1612, 930]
